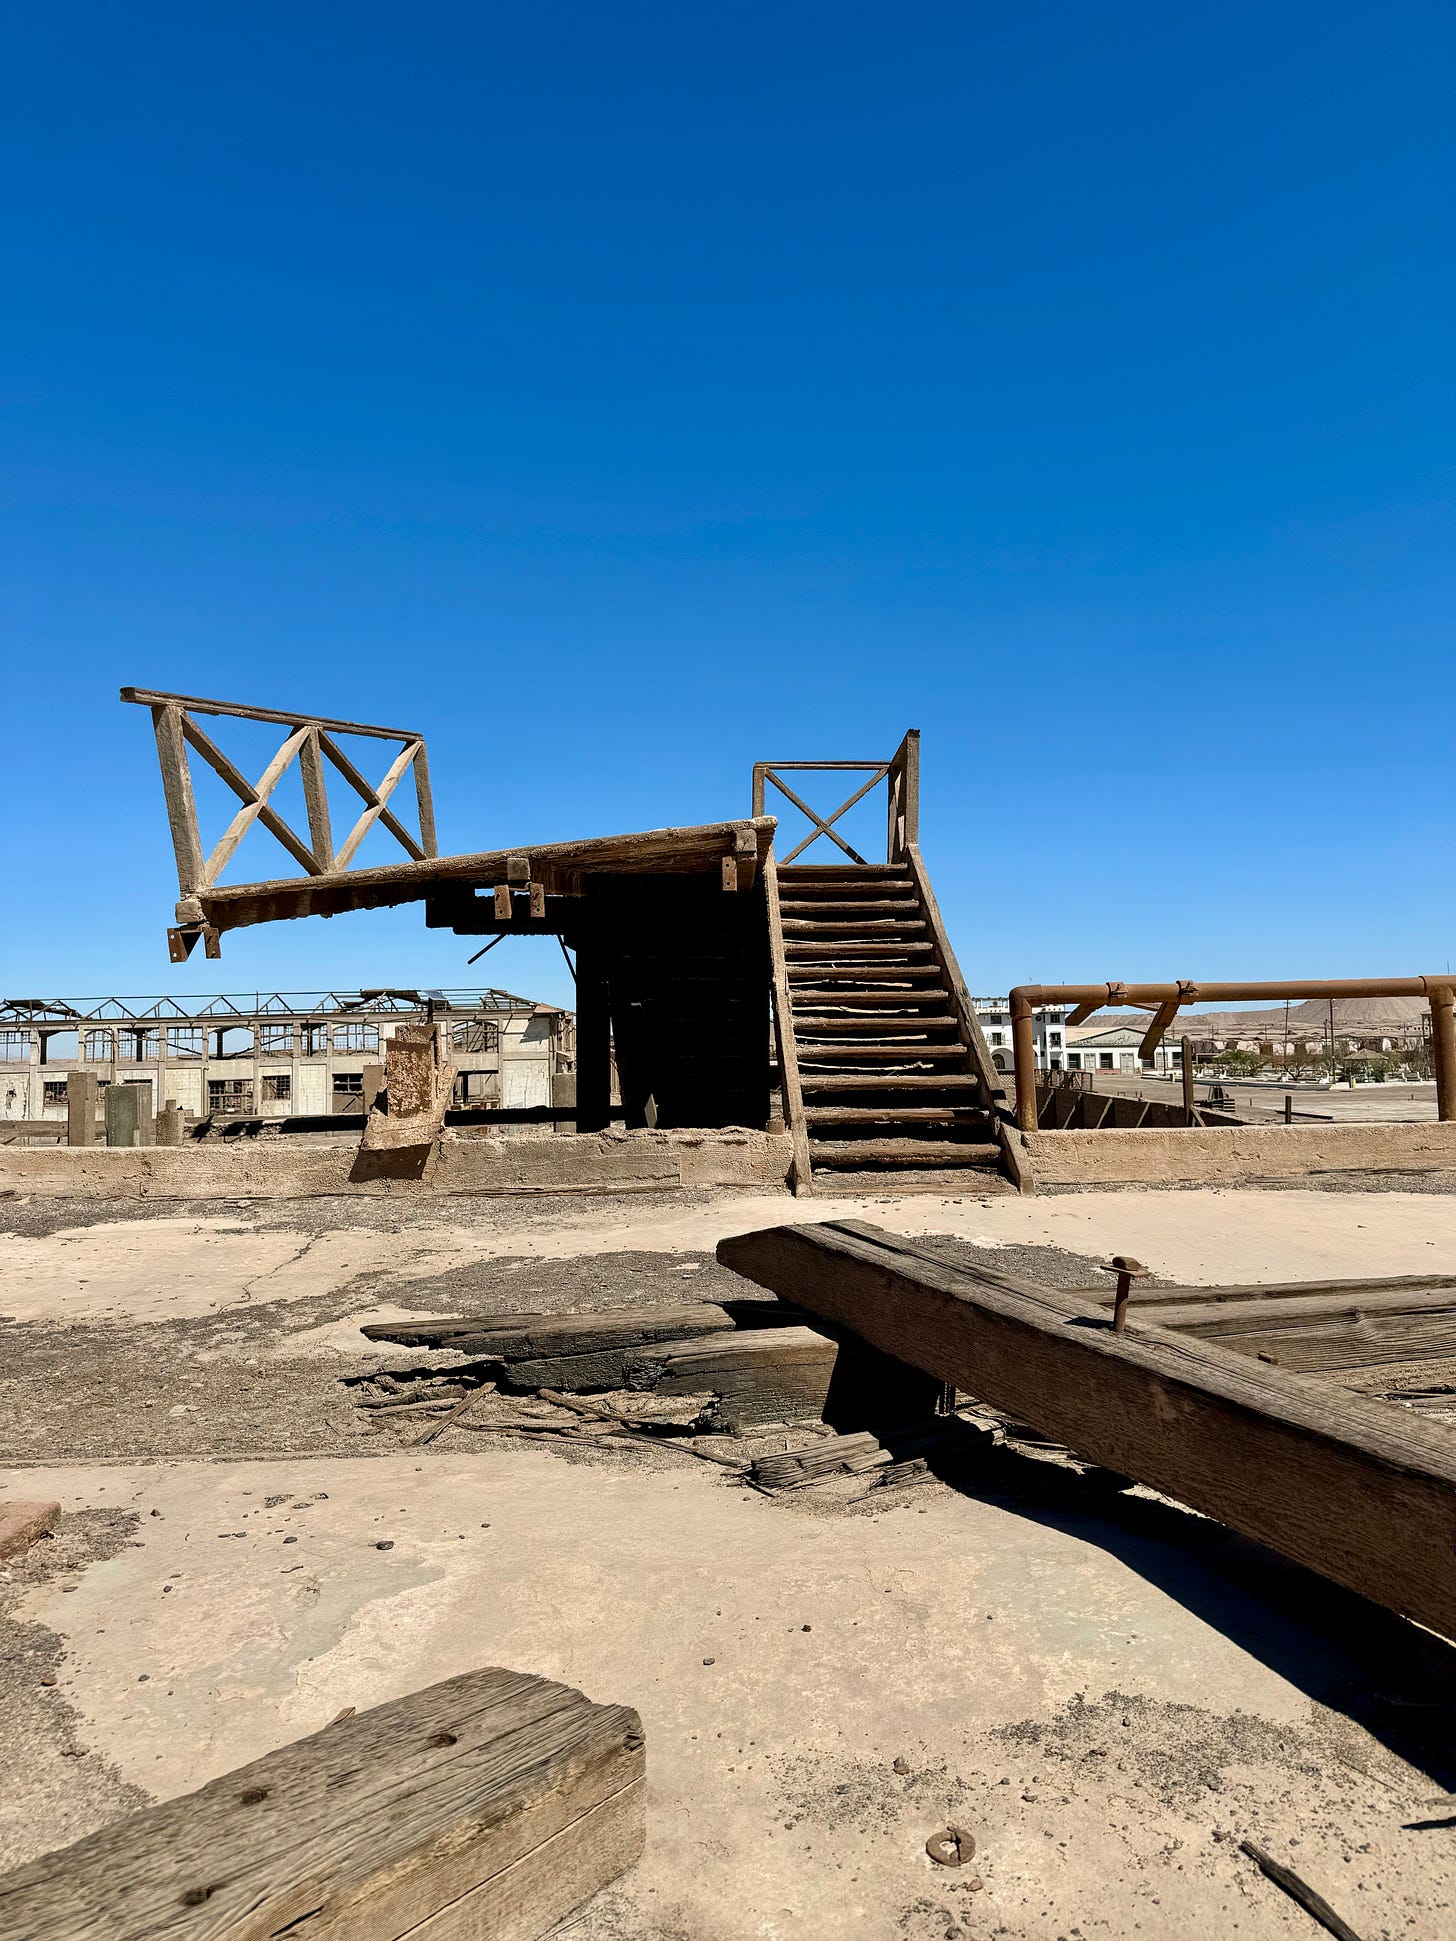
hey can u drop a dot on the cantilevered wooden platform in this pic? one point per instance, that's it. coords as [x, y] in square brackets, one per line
[557, 869]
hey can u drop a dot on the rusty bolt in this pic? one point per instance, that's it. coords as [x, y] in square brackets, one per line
[1127, 1271]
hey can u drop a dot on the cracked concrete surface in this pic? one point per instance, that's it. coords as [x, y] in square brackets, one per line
[1109, 1694]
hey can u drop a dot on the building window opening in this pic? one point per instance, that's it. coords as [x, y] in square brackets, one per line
[356, 1037]
[229, 1098]
[277, 1087]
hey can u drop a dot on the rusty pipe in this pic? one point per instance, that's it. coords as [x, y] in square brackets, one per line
[1443, 1052]
[1025, 999]
[1023, 1059]
[1152, 996]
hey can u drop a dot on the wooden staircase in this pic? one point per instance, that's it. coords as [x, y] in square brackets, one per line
[892, 1078]
[884, 1072]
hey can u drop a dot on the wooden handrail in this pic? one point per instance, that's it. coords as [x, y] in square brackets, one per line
[902, 774]
[786, 1042]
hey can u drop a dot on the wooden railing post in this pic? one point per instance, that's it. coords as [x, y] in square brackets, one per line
[181, 805]
[785, 1041]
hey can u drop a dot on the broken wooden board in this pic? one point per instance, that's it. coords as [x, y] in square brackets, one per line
[490, 1805]
[539, 1337]
[782, 1371]
[1357, 1490]
[853, 1454]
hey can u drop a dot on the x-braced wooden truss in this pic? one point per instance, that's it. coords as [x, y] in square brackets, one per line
[901, 773]
[309, 738]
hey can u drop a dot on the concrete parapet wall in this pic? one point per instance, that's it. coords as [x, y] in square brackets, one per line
[284, 1169]
[1191, 1154]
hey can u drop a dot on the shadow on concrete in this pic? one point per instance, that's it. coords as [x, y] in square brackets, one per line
[1391, 1677]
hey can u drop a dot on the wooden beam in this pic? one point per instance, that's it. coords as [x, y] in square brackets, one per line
[195, 704]
[167, 725]
[316, 800]
[1354, 1489]
[492, 1804]
[785, 1043]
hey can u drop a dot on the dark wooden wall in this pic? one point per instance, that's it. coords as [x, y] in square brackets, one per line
[678, 969]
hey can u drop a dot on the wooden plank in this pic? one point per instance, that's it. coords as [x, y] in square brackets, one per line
[194, 704]
[792, 1374]
[167, 725]
[492, 1804]
[424, 804]
[1312, 1332]
[1354, 1489]
[784, 1039]
[316, 800]
[1350, 1291]
[519, 1337]
[560, 867]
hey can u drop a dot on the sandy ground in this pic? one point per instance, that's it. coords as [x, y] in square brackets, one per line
[1108, 1691]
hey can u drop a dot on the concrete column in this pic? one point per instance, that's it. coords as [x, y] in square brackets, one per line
[82, 1096]
[128, 1123]
[169, 1124]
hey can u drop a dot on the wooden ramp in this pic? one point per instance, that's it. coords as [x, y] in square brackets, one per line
[886, 1073]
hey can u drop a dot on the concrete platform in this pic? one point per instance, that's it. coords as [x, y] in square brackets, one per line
[1108, 1692]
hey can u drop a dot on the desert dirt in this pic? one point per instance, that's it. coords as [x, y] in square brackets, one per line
[1107, 1691]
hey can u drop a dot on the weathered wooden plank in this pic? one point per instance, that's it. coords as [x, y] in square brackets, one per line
[492, 1804]
[1354, 1489]
[785, 1043]
[560, 867]
[520, 1337]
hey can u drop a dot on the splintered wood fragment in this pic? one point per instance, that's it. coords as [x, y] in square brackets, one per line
[532, 1337]
[432, 1429]
[492, 1804]
[1299, 1890]
[1361, 1492]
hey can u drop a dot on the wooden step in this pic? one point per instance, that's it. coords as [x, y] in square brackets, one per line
[890, 1082]
[872, 977]
[867, 1115]
[901, 1054]
[809, 1025]
[861, 994]
[806, 875]
[905, 1152]
[809, 907]
[848, 929]
[828, 952]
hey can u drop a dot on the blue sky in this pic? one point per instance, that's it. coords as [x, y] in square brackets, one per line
[621, 394]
